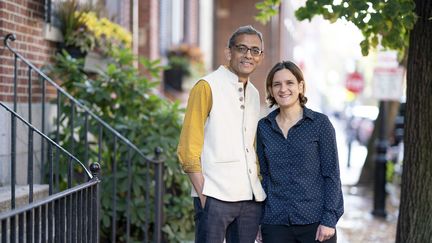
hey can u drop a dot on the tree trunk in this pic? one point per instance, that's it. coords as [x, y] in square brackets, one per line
[415, 216]
[367, 174]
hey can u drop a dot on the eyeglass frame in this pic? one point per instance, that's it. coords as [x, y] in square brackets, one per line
[237, 48]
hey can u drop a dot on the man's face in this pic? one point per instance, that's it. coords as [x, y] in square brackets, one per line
[243, 64]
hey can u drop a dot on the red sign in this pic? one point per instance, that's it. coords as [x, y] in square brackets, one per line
[355, 82]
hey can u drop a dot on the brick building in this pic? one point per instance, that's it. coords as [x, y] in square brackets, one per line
[155, 26]
[27, 20]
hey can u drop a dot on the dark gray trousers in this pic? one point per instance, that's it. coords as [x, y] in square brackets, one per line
[292, 234]
[237, 222]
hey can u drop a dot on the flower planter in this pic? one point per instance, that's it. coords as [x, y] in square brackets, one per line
[173, 79]
[73, 51]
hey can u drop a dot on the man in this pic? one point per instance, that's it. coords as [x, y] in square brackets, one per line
[216, 146]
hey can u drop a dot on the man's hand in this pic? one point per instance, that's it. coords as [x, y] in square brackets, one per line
[324, 233]
[197, 180]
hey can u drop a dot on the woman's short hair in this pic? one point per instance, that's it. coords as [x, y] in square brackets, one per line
[295, 70]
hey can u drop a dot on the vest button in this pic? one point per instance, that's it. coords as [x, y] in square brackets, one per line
[247, 150]
[242, 107]
[240, 89]
[250, 171]
[241, 98]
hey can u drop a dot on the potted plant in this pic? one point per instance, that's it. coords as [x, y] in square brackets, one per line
[107, 35]
[87, 35]
[77, 41]
[181, 62]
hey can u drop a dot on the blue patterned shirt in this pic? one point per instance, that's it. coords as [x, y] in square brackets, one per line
[301, 172]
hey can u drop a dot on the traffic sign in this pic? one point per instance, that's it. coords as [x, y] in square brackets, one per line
[354, 82]
[388, 83]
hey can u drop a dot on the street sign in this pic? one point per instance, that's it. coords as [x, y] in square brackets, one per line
[388, 83]
[354, 82]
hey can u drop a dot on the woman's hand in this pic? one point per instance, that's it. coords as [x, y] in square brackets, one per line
[324, 233]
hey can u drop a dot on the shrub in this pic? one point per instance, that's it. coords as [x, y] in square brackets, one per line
[126, 100]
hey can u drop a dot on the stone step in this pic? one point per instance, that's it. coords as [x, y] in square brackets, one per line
[40, 191]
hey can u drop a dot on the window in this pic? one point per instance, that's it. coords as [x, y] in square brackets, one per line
[171, 24]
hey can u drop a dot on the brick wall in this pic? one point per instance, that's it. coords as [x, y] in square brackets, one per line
[24, 18]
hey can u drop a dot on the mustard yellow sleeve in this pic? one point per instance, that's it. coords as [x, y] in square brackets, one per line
[192, 133]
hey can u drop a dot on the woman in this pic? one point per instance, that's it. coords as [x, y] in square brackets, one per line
[298, 159]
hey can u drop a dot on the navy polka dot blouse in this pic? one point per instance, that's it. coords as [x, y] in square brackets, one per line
[301, 172]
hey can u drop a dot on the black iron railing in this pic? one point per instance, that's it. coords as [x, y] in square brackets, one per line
[90, 136]
[70, 214]
[49, 220]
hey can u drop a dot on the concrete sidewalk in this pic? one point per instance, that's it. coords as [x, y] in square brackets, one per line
[358, 225]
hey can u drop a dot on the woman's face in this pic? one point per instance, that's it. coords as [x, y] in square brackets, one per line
[286, 89]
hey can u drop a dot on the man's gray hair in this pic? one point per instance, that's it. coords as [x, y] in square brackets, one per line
[245, 30]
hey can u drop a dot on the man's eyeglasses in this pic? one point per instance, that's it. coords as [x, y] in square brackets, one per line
[255, 51]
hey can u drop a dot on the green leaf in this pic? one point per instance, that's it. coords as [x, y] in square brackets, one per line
[260, 5]
[391, 9]
[268, 9]
[302, 14]
[409, 21]
[376, 19]
[106, 222]
[364, 47]
[359, 5]
[374, 41]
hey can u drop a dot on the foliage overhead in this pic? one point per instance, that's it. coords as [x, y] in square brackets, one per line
[386, 23]
[267, 9]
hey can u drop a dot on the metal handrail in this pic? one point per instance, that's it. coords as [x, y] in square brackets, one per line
[157, 160]
[53, 219]
[48, 199]
[12, 37]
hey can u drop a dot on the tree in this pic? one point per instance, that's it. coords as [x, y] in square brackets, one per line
[395, 24]
[381, 22]
[414, 223]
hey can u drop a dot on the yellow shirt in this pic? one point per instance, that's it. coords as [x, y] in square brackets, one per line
[192, 133]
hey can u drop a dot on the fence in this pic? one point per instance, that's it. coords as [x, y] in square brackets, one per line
[78, 135]
[59, 216]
